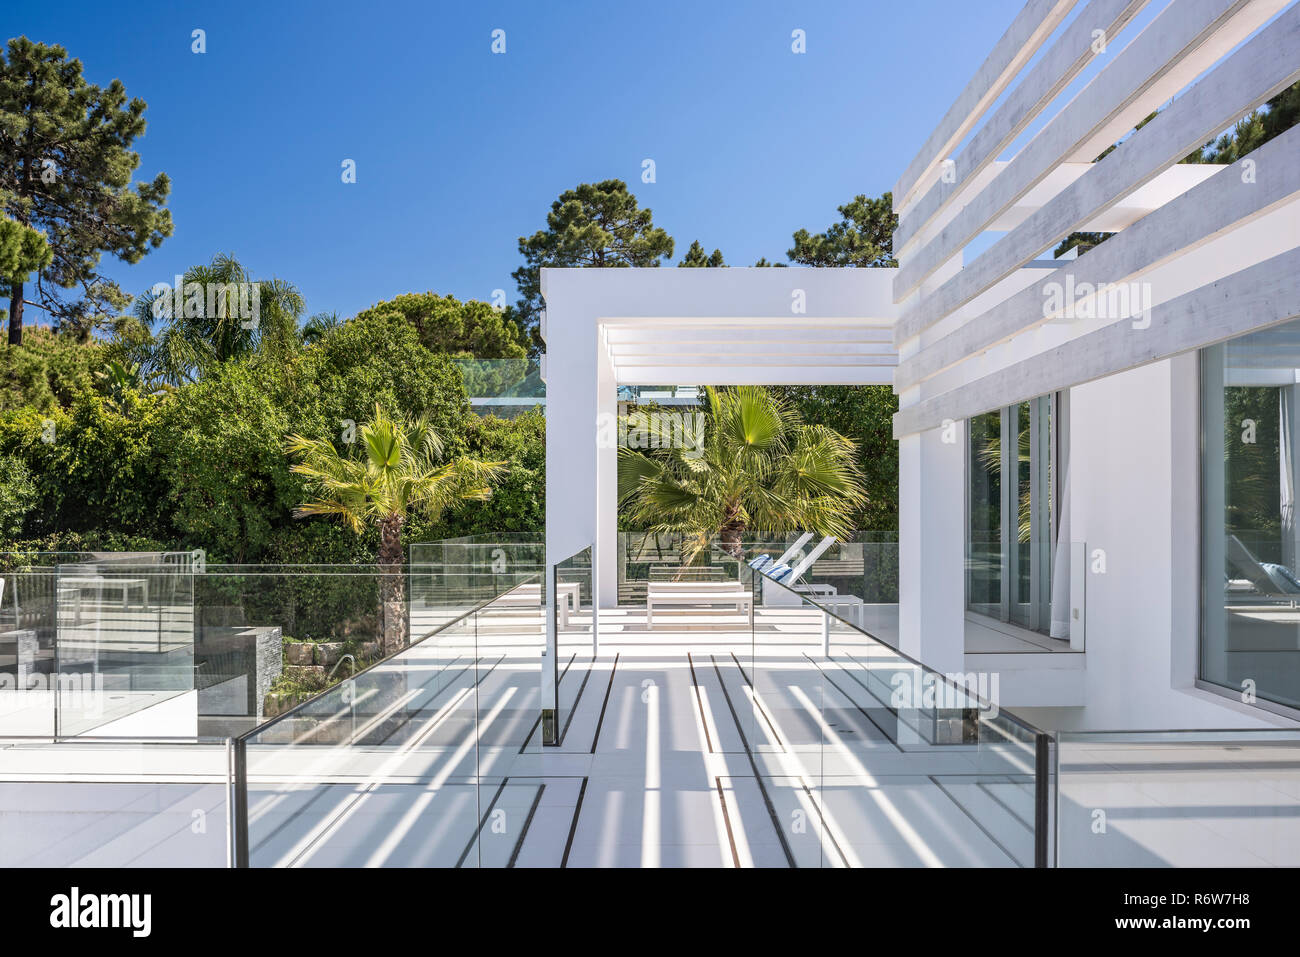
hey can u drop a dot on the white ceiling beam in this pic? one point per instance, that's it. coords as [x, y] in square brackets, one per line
[1263, 295]
[1181, 32]
[1219, 203]
[1028, 31]
[1265, 65]
[1063, 61]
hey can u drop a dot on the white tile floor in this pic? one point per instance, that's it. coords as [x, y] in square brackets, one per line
[694, 746]
[678, 748]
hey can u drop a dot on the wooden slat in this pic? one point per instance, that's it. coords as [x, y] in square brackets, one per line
[1031, 27]
[1062, 62]
[1262, 67]
[1220, 203]
[1174, 35]
[1263, 295]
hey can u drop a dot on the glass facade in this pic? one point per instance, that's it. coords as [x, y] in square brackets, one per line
[1250, 542]
[1011, 524]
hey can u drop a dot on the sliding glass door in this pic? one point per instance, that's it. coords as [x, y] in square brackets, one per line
[1250, 536]
[1012, 514]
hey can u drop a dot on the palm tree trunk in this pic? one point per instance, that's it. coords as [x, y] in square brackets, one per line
[392, 585]
[730, 534]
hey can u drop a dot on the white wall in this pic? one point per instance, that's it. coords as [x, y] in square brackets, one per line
[1135, 495]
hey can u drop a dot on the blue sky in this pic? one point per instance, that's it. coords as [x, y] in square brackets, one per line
[460, 151]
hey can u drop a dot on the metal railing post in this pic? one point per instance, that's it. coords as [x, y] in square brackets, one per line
[1042, 782]
[240, 801]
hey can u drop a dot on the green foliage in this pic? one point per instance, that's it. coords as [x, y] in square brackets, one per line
[864, 414]
[230, 488]
[65, 170]
[596, 224]
[1251, 473]
[224, 314]
[696, 256]
[320, 326]
[1084, 241]
[759, 468]
[1254, 130]
[18, 495]
[447, 325]
[47, 371]
[203, 466]
[91, 467]
[23, 251]
[863, 237]
[396, 467]
[227, 484]
[518, 502]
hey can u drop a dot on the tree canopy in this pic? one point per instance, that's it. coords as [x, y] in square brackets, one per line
[594, 224]
[66, 169]
[864, 236]
[445, 324]
[220, 313]
[697, 257]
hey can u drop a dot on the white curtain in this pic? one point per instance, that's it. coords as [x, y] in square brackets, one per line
[1286, 456]
[1060, 627]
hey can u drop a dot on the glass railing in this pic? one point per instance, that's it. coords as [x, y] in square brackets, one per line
[451, 576]
[864, 565]
[503, 387]
[94, 802]
[1178, 798]
[89, 642]
[573, 623]
[872, 759]
[268, 637]
[574, 600]
[857, 576]
[427, 758]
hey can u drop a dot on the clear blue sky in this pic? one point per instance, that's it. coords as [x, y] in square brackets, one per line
[460, 151]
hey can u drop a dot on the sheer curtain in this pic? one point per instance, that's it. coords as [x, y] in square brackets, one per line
[1060, 627]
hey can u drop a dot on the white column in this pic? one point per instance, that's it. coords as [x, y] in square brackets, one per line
[571, 438]
[931, 547]
[605, 497]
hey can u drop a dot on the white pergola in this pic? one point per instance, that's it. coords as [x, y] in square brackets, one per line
[732, 326]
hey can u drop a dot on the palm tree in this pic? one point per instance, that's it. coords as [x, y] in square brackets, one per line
[120, 380]
[186, 345]
[399, 471]
[317, 328]
[757, 467]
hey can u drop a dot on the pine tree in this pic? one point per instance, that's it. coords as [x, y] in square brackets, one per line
[65, 170]
[695, 256]
[864, 237]
[595, 224]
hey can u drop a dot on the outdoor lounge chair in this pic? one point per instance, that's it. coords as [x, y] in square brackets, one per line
[1267, 578]
[824, 595]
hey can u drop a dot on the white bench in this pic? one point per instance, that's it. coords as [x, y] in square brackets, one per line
[694, 594]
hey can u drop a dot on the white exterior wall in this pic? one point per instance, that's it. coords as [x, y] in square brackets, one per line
[1134, 446]
[932, 548]
[1213, 254]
